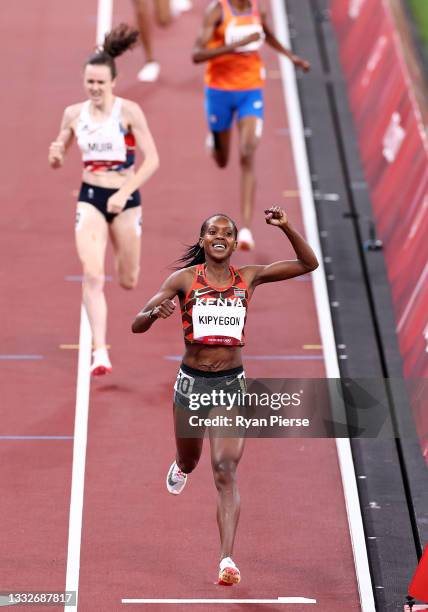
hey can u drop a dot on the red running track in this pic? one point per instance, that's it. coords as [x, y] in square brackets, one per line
[137, 540]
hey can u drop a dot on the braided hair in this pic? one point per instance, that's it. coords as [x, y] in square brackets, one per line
[195, 254]
[116, 42]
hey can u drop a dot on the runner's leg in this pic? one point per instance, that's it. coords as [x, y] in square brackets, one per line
[91, 242]
[248, 140]
[188, 449]
[125, 234]
[225, 456]
[143, 22]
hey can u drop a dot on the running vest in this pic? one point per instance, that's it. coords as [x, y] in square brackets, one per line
[212, 316]
[107, 145]
[242, 69]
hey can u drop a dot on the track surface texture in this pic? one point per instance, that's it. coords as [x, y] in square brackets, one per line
[138, 541]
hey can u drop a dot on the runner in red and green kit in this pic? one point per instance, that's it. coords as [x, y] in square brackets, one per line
[214, 298]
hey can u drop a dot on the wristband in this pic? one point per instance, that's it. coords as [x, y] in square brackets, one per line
[151, 316]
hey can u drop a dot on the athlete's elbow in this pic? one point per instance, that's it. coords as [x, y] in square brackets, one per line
[197, 57]
[313, 266]
[136, 327]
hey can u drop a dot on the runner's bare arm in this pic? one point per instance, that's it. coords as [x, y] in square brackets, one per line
[59, 146]
[282, 270]
[136, 122]
[161, 305]
[273, 42]
[211, 19]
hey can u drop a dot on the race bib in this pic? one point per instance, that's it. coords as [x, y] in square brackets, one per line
[184, 383]
[214, 320]
[235, 32]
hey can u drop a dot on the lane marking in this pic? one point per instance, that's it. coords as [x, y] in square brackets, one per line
[36, 437]
[104, 19]
[279, 600]
[104, 23]
[21, 357]
[69, 347]
[79, 458]
[297, 134]
[78, 278]
[264, 357]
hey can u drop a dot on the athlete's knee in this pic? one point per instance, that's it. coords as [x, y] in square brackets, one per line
[163, 21]
[129, 278]
[220, 159]
[93, 280]
[246, 157]
[224, 472]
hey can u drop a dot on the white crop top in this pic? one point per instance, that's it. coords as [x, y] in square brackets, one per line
[104, 145]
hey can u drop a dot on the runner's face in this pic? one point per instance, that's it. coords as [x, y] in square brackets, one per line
[98, 83]
[219, 240]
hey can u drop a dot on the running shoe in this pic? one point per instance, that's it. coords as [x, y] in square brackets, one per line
[245, 239]
[149, 73]
[209, 143]
[179, 6]
[229, 574]
[175, 480]
[101, 363]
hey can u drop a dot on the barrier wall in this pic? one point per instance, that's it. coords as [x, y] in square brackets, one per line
[394, 151]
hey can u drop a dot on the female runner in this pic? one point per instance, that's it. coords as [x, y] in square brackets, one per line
[231, 34]
[108, 129]
[213, 353]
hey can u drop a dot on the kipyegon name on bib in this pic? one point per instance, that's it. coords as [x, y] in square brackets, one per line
[240, 421]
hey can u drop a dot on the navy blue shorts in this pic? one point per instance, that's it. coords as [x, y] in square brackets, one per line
[221, 105]
[98, 197]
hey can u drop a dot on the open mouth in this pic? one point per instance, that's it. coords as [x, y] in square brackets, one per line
[219, 247]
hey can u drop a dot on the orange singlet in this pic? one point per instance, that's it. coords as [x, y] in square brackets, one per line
[215, 316]
[244, 68]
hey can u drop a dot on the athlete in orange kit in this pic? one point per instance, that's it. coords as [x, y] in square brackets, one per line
[232, 33]
[214, 298]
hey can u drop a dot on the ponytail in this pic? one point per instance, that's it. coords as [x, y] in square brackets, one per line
[116, 42]
[195, 254]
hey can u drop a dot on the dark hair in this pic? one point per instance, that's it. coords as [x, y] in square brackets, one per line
[116, 42]
[195, 254]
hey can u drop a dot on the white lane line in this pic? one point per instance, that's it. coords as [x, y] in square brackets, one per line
[104, 22]
[36, 437]
[79, 458]
[349, 483]
[104, 19]
[21, 357]
[279, 600]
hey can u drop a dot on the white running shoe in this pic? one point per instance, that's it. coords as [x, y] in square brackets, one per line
[101, 363]
[179, 6]
[209, 143]
[175, 480]
[229, 574]
[149, 73]
[245, 239]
